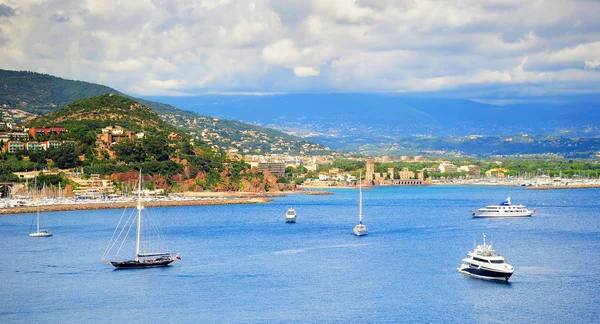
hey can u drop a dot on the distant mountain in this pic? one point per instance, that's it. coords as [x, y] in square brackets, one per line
[24, 94]
[355, 122]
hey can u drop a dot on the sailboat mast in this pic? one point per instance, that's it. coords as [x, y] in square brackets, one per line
[38, 220]
[360, 198]
[139, 219]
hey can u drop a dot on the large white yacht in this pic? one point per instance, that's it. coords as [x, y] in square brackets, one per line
[504, 209]
[290, 216]
[484, 263]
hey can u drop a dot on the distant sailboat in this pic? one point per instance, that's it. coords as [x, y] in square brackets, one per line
[149, 244]
[360, 229]
[40, 233]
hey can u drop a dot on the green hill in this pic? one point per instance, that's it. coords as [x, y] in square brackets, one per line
[37, 94]
[105, 110]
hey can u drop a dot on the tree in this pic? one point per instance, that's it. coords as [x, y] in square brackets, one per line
[128, 151]
[64, 156]
[157, 148]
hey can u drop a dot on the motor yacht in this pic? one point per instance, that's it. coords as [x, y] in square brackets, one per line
[484, 263]
[290, 216]
[504, 209]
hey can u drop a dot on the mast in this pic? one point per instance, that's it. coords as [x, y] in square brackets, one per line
[139, 219]
[38, 219]
[360, 199]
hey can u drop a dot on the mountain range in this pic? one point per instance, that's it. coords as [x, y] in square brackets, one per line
[370, 124]
[27, 94]
[395, 124]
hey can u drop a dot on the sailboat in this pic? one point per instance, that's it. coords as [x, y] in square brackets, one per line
[40, 233]
[360, 229]
[149, 243]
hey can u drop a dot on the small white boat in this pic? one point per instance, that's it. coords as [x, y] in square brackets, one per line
[40, 233]
[360, 229]
[290, 216]
[484, 263]
[504, 209]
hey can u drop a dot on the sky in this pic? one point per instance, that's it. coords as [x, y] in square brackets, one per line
[488, 50]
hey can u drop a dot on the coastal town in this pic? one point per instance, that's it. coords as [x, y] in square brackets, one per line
[77, 189]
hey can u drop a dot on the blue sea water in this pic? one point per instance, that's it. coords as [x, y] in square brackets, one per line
[243, 263]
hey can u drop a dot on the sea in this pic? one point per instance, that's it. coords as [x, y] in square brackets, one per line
[244, 264]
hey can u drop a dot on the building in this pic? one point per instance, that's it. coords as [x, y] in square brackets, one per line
[470, 169]
[324, 176]
[34, 146]
[496, 172]
[14, 146]
[391, 173]
[41, 131]
[50, 144]
[448, 167]
[113, 134]
[405, 174]
[276, 168]
[370, 169]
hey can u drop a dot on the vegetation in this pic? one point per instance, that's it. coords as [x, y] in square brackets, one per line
[41, 93]
[168, 156]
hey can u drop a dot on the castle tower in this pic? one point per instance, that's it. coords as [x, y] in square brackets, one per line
[370, 169]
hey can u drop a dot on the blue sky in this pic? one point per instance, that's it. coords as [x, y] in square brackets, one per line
[499, 49]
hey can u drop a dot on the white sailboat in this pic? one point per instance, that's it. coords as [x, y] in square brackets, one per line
[40, 233]
[360, 229]
[149, 243]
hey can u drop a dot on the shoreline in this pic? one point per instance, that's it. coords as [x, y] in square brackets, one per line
[563, 187]
[189, 199]
[131, 204]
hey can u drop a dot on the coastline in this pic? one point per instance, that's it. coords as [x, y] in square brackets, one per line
[591, 186]
[132, 204]
[185, 199]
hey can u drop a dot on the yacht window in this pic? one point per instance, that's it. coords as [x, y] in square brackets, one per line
[480, 260]
[497, 261]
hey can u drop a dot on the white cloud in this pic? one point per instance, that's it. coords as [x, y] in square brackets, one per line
[306, 71]
[267, 46]
[592, 64]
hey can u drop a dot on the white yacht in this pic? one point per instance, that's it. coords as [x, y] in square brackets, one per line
[360, 229]
[484, 263]
[290, 216]
[504, 209]
[38, 232]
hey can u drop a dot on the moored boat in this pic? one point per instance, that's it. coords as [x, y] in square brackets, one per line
[504, 209]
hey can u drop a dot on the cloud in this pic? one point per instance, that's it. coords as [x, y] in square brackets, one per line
[6, 11]
[272, 46]
[306, 71]
[592, 64]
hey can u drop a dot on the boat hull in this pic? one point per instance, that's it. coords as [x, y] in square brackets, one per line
[501, 215]
[483, 273]
[41, 234]
[133, 264]
[290, 219]
[360, 231]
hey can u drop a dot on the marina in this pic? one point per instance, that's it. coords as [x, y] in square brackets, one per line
[238, 259]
